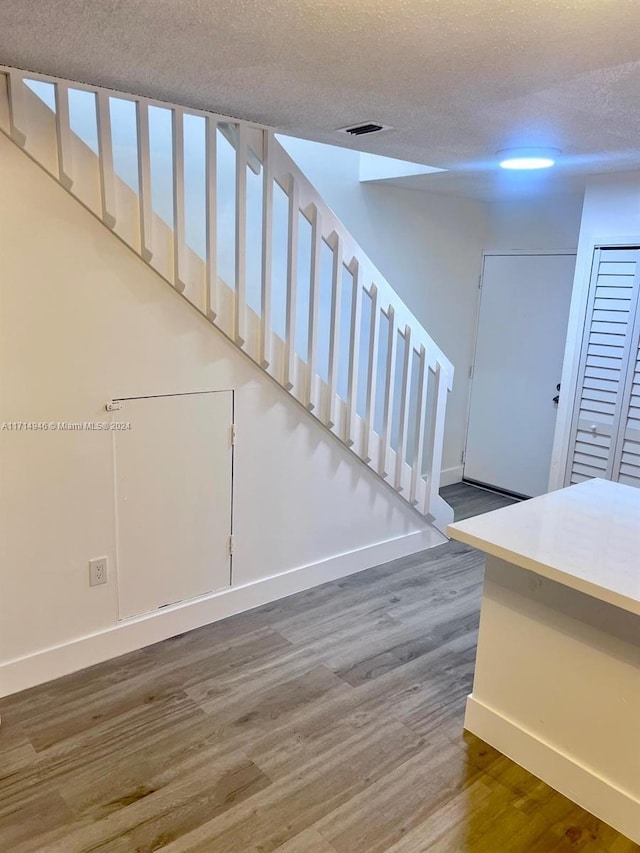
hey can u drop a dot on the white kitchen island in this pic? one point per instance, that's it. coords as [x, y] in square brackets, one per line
[557, 678]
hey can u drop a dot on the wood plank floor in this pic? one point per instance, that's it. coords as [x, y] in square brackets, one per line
[468, 500]
[327, 722]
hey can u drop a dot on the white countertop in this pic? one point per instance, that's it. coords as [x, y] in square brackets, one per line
[586, 537]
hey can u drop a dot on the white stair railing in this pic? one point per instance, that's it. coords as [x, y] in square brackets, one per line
[202, 198]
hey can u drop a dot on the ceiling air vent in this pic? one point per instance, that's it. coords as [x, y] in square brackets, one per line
[364, 128]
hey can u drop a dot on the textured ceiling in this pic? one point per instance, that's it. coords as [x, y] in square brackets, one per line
[456, 79]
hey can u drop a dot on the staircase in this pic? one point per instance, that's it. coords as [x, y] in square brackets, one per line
[218, 208]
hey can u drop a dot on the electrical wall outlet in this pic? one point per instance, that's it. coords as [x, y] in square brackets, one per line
[97, 571]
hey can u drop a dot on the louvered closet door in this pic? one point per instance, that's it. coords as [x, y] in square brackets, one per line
[627, 459]
[604, 388]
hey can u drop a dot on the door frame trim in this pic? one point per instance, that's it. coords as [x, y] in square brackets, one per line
[472, 367]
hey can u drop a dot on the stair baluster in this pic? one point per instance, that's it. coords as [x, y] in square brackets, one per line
[418, 411]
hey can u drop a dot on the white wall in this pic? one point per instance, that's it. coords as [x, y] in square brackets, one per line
[84, 321]
[429, 248]
[535, 223]
[611, 216]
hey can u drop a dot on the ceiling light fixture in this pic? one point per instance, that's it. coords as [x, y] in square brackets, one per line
[528, 158]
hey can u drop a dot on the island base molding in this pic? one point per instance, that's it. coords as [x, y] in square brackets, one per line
[557, 690]
[562, 772]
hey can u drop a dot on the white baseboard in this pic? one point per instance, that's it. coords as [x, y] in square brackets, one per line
[561, 771]
[449, 476]
[132, 634]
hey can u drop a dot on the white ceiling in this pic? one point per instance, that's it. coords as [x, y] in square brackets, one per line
[456, 79]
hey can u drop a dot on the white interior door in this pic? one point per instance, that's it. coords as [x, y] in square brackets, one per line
[522, 328]
[173, 476]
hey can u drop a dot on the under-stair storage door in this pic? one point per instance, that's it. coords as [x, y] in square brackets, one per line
[604, 390]
[173, 477]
